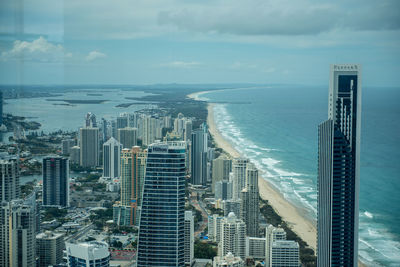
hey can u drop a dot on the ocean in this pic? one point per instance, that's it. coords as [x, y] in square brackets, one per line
[277, 128]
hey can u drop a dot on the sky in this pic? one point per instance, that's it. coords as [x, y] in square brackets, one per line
[197, 41]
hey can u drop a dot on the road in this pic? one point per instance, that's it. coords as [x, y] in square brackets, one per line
[80, 233]
[199, 205]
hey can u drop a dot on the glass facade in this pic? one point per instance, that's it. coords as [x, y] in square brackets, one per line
[161, 233]
[338, 177]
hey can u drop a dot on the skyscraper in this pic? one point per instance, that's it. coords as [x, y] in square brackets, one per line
[199, 157]
[233, 237]
[89, 142]
[284, 253]
[339, 170]
[133, 165]
[122, 121]
[149, 130]
[9, 179]
[50, 247]
[127, 137]
[1, 108]
[161, 231]
[272, 234]
[249, 207]
[66, 145]
[112, 159]
[90, 120]
[221, 167]
[239, 176]
[189, 238]
[56, 181]
[17, 234]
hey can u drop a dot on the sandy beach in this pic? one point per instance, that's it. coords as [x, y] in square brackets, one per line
[302, 226]
[291, 214]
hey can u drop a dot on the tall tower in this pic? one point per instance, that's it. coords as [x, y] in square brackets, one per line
[56, 181]
[127, 137]
[189, 238]
[17, 234]
[221, 167]
[239, 176]
[249, 207]
[9, 179]
[199, 157]
[112, 158]
[339, 170]
[162, 219]
[133, 166]
[233, 237]
[89, 142]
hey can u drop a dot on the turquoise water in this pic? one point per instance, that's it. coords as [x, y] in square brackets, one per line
[277, 130]
[54, 116]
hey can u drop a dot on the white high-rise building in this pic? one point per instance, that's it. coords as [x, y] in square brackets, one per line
[255, 247]
[228, 261]
[233, 237]
[231, 205]
[272, 234]
[66, 146]
[221, 167]
[284, 253]
[179, 124]
[189, 238]
[187, 130]
[223, 190]
[89, 142]
[239, 176]
[112, 159]
[149, 130]
[93, 254]
[214, 227]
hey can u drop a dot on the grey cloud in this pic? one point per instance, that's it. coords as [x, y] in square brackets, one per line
[285, 17]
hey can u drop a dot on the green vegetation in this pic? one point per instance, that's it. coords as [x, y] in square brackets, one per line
[307, 255]
[100, 217]
[205, 250]
[52, 213]
[197, 216]
[27, 188]
[215, 211]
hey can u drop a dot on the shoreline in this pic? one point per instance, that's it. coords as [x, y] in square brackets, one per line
[299, 223]
[289, 213]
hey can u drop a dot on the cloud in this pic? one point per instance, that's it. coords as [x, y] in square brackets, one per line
[280, 17]
[38, 50]
[181, 64]
[93, 55]
[126, 19]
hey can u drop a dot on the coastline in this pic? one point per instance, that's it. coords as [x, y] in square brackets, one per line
[299, 223]
[289, 213]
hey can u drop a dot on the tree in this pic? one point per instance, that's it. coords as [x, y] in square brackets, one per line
[203, 250]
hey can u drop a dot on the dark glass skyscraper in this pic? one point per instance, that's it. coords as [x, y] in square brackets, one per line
[199, 156]
[339, 170]
[161, 227]
[56, 181]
